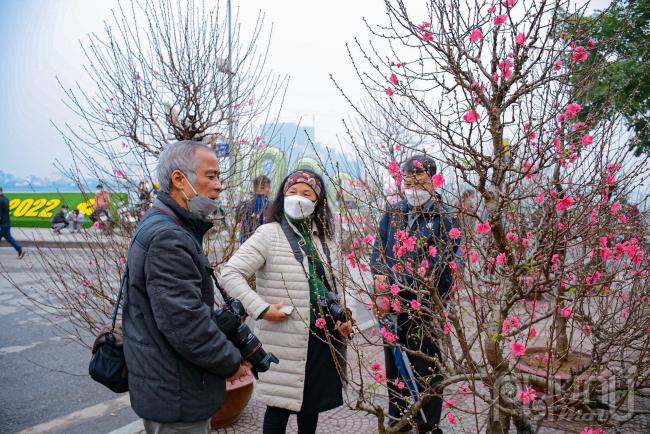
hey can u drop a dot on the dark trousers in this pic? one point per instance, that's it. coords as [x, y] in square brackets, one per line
[400, 400]
[276, 419]
[5, 232]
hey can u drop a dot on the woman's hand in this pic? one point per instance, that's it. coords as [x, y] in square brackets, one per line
[275, 314]
[345, 328]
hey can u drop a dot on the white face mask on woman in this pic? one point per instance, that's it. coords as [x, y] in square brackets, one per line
[417, 197]
[298, 207]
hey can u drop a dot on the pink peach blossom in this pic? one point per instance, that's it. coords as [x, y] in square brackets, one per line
[464, 388]
[518, 349]
[449, 403]
[520, 39]
[528, 394]
[590, 430]
[438, 180]
[500, 19]
[566, 312]
[471, 116]
[579, 54]
[476, 35]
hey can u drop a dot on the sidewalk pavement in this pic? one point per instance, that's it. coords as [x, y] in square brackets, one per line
[337, 421]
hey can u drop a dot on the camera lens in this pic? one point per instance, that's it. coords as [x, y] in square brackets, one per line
[249, 346]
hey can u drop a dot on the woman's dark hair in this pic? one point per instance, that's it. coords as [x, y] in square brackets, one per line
[322, 214]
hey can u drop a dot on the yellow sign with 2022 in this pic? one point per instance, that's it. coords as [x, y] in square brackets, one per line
[37, 209]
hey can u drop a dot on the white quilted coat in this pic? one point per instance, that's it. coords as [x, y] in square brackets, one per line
[279, 279]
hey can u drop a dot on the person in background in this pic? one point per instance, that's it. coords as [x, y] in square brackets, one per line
[5, 225]
[251, 213]
[76, 219]
[421, 215]
[287, 302]
[102, 203]
[144, 194]
[60, 221]
[467, 211]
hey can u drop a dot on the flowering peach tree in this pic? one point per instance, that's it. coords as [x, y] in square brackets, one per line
[160, 72]
[547, 320]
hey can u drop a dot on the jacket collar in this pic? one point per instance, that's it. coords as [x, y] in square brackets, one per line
[294, 226]
[194, 224]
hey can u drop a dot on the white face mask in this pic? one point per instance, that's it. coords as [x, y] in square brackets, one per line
[417, 197]
[298, 207]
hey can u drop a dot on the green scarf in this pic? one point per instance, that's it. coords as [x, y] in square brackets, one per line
[316, 286]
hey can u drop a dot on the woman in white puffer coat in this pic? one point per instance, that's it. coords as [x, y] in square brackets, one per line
[292, 321]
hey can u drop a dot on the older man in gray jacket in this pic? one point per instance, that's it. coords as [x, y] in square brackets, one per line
[177, 357]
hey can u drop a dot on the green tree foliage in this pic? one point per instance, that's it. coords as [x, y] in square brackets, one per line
[621, 41]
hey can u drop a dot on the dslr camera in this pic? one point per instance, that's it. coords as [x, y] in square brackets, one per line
[229, 319]
[330, 303]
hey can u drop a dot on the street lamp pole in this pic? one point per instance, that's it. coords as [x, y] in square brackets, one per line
[231, 143]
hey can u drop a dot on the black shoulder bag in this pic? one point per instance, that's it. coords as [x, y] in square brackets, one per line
[107, 365]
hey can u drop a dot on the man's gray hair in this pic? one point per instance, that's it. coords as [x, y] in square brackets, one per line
[177, 156]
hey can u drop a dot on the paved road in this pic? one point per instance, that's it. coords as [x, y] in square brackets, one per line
[43, 372]
[43, 375]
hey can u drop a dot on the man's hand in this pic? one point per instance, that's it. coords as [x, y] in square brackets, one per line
[241, 372]
[275, 314]
[345, 328]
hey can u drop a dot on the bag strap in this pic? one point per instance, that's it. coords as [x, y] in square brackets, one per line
[298, 246]
[156, 218]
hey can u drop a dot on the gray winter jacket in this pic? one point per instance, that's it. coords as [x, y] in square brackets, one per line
[176, 356]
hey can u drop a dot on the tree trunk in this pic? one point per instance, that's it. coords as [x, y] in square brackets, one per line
[498, 422]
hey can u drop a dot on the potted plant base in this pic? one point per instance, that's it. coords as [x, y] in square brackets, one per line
[535, 363]
[238, 394]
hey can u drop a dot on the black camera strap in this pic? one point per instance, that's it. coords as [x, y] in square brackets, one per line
[298, 246]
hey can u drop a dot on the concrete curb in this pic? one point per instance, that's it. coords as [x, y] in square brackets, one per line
[46, 238]
[54, 244]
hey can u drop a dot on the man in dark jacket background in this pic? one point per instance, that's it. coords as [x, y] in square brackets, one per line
[60, 221]
[177, 357]
[250, 214]
[5, 225]
[422, 215]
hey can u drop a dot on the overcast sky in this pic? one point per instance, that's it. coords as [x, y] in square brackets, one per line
[40, 39]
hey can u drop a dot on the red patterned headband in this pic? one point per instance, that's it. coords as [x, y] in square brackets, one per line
[302, 176]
